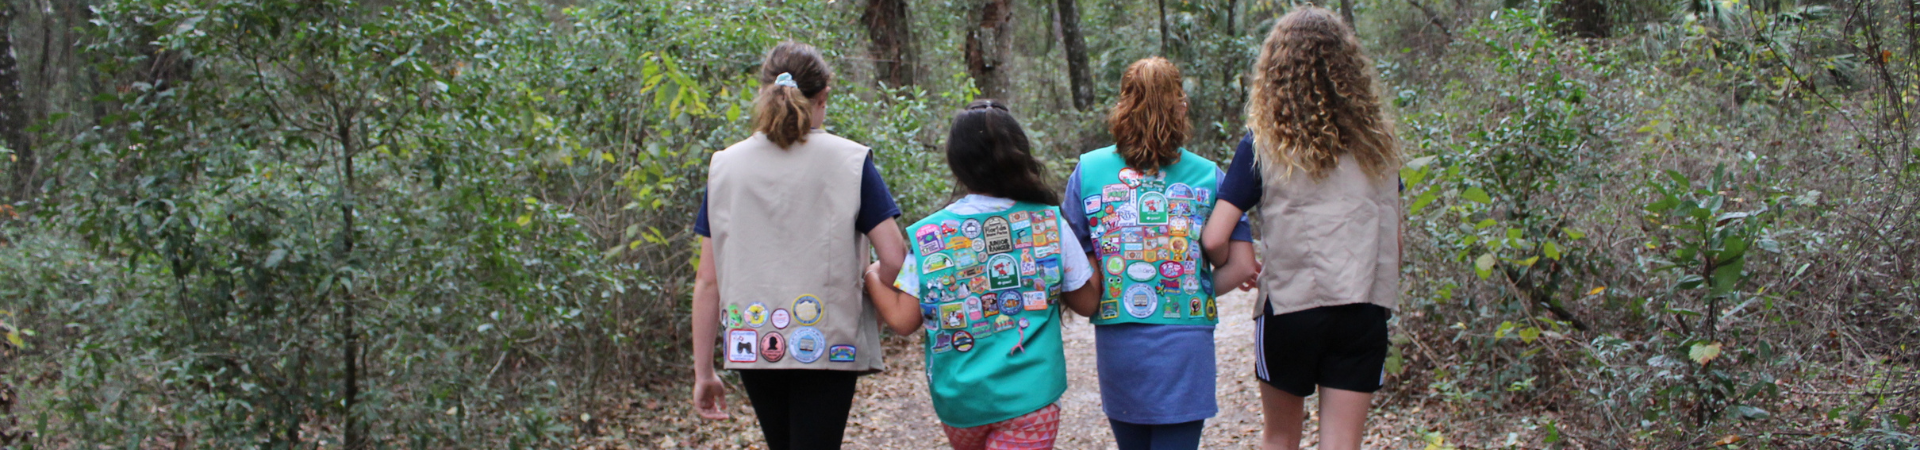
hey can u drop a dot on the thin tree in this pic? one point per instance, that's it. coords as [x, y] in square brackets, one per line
[13, 111]
[989, 47]
[890, 34]
[1080, 78]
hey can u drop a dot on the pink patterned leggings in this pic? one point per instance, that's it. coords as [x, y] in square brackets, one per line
[1035, 430]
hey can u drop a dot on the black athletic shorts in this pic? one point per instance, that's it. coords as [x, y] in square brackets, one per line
[1342, 347]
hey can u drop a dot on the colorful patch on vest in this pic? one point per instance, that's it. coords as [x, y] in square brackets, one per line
[772, 346]
[936, 262]
[743, 346]
[1128, 215]
[958, 242]
[962, 341]
[1002, 323]
[981, 329]
[1113, 286]
[949, 227]
[780, 318]
[974, 311]
[970, 228]
[1141, 300]
[1171, 311]
[942, 342]
[1027, 266]
[1141, 271]
[1180, 191]
[1010, 302]
[841, 353]
[732, 317]
[1153, 208]
[929, 238]
[1115, 193]
[953, 316]
[1131, 177]
[1190, 284]
[1109, 309]
[999, 235]
[1115, 265]
[1090, 204]
[1171, 269]
[806, 310]
[1035, 301]
[756, 315]
[1179, 225]
[965, 260]
[1003, 271]
[806, 344]
[930, 316]
[1178, 246]
[1022, 237]
[1196, 308]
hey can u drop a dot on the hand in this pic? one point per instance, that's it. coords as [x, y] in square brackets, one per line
[1254, 281]
[710, 398]
[872, 270]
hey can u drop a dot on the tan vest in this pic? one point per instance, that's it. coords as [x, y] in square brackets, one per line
[788, 258]
[1328, 242]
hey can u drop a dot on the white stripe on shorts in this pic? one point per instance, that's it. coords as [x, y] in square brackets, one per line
[1260, 347]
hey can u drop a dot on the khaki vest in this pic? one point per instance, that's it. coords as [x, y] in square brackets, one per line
[788, 259]
[1328, 242]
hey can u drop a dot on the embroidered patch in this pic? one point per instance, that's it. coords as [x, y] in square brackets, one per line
[1153, 208]
[1141, 271]
[732, 317]
[1180, 190]
[773, 346]
[1141, 300]
[974, 312]
[929, 238]
[1115, 193]
[930, 316]
[1171, 269]
[1109, 309]
[962, 341]
[949, 227]
[953, 316]
[970, 229]
[982, 329]
[999, 235]
[1027, 266]
[958, 242]
[942, 342]
[1010, 302]
[1195, 308]
[841, 353]
[807, 344]
[806, 309]
[1035, 301]
[1130, 176]
[743, 346]
[1090, 204]
[1003, 271]
[1002, 323]
[780, 318]
[1115, 265]
[936, 262]
[756, 315]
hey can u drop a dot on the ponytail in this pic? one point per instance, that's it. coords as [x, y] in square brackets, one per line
[792, 77]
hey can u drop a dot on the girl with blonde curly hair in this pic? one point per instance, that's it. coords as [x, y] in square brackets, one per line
[1142, 205]
[1318, 166]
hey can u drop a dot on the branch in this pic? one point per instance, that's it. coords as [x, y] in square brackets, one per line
[1433, 19]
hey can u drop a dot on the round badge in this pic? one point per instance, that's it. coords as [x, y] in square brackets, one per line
[962, 341]
[780, 318]
[1169, 269]
[1141, 301]
[806, 310]
[773, 346]
[1010, 303]
[970, 229]
[756, 314]
[1115, 265]
[1139, 271]
[807, 344]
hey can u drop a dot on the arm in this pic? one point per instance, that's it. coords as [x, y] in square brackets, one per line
[891, 247]
[1214, 238]
[901, 312]
[1239, 270]
[709, 394]
[1086, 300]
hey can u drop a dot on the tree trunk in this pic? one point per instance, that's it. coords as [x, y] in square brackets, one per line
[990, 48]
[1163, 28]
[13, 113]
[1080, 77]
[889, 30]
[1346, 13]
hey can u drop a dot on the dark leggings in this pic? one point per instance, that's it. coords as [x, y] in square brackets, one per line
[1173, 436]
[801, 409]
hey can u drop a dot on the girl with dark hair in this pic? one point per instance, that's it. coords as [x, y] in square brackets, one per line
[1141, 206]
[1319, 168]
[985, 277]
[785, 229]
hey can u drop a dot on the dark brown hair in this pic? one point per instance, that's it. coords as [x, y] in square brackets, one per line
[990, 155]
[1149, 123]
[1313, 100]
[785, 113]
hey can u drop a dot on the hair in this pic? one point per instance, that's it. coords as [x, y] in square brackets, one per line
[990, 155]
[1149, 123]
[785, 113]
[1313, 100]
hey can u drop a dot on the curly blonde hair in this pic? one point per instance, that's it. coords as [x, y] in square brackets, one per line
[1149, 123]
[1313, 99]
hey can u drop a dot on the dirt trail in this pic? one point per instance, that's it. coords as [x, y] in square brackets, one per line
[892, 410]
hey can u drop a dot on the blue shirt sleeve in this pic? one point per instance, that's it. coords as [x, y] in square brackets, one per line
[1075, 212]
[1242, 186]
[876, 203]
[1242, 231]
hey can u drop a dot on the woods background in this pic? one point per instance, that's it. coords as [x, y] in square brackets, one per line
[467, 223]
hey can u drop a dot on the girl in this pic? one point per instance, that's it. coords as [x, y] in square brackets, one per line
[1330, 212]
[985, 276]
[1142, 205]
[785, 228]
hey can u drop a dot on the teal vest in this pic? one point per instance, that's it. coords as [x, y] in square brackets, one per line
[1146, 231]
[989, 294]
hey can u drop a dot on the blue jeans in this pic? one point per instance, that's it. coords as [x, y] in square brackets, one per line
[1173, 436]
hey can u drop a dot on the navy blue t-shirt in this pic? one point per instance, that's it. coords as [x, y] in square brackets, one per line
[876, 203]
[1243, 185]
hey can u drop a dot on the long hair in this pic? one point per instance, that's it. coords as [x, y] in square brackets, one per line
[990, 155]
[1313, 100]
[1150, 121]
[785, 113]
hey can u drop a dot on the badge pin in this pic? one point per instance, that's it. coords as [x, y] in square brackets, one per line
[806, 344]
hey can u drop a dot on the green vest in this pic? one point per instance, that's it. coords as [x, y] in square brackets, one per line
[989, 294]
[1146, 231]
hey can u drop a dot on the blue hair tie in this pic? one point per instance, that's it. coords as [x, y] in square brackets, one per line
[786, 79]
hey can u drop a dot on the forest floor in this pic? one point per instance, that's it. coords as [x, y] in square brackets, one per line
[892, 410]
